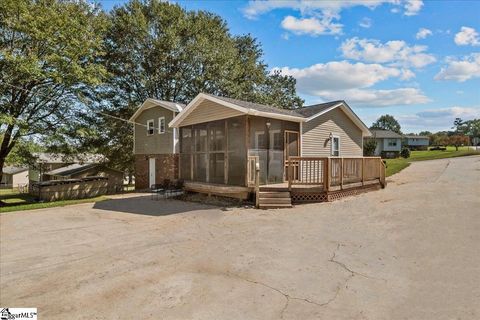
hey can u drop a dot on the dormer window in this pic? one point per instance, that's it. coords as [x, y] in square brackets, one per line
[150, 127]
[161, 125]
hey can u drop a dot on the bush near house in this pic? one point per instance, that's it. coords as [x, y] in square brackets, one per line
[405, 153]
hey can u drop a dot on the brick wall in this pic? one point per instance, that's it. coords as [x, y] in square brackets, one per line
[166, 167]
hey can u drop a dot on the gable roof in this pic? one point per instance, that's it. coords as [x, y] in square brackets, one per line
[13, 169]
[63, 158]
[381, 134]
[151, 103]
[303, 114]
[75, 168]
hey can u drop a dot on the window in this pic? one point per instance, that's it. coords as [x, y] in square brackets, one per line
[150, 127]
[161, 125]
[392, 142]
[335, 152]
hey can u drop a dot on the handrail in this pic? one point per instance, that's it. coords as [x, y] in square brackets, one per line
[336, 172]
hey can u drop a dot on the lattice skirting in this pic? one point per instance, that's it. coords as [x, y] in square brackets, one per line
[299, 197]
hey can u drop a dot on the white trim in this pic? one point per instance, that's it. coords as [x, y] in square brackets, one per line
[151, 103]
[335, 136]
[301, 139]
[176, 122]
[160, 125]
[175, 142]
[349, 112]
[148, 127]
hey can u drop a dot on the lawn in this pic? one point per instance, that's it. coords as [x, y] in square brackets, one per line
[397, 165]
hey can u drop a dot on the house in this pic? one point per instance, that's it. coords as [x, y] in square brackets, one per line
[155, 143]
[414, 142]
[45, 162]
[389, 143]
[79, 171]
[14, 177]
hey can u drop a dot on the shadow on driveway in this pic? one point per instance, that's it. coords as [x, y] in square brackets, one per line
[146, 206]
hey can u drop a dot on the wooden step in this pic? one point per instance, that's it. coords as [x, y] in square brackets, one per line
[274, 201]
[270, 194]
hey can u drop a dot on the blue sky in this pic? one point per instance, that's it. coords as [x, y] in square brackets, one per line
[417, 60]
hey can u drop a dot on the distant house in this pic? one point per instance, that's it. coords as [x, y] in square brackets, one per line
[414, 142]
[14, 177]
[45, 162]
[78, 171]
[155, 143]
[389, 143]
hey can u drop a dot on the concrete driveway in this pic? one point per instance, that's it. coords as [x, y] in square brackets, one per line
[411, 251]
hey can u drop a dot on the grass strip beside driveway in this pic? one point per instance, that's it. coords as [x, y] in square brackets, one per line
[42, 205]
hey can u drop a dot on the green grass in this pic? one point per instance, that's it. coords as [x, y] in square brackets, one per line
[41, 205]
[397, 165]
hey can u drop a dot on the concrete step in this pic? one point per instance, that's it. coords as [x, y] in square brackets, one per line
[274, 201]
[274, 205]
[270, 194]
[273, 189]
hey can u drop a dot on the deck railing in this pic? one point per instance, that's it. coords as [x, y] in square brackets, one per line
[334, 172]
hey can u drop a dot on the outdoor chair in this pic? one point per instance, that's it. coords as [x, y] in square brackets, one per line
[175, 188]
[156, 190]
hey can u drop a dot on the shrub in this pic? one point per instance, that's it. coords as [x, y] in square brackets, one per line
[405, 153]
[369, 147]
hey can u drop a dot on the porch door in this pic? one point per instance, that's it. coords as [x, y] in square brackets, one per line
[151, 171]
[292, 149]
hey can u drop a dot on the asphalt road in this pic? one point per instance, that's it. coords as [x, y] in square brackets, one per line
[410, 251]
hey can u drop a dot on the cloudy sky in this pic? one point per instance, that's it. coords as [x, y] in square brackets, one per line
[417, 60]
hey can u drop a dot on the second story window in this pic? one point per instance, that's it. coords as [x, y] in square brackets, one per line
[161, 125]
[150, 127]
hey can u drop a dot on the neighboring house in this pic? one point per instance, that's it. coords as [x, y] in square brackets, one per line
[14, 177]
[155, 143]
[79, 171]
[416, 142]
[389, 143]
[45, 162]
[219, 136]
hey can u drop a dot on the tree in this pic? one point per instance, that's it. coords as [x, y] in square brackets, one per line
[159, 50]
[458, 125]
[457, 141]
[425, 133]
[49, 53]
[369, 147]
[387, 122]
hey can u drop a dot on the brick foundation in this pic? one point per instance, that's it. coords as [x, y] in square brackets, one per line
[166, 167]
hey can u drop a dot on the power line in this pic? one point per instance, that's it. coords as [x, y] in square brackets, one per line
[90, 108]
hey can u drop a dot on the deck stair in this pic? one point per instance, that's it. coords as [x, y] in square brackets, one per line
[269, 199]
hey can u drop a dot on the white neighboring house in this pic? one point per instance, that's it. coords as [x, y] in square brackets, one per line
[416, 142]
[389, 143]
[14, 177]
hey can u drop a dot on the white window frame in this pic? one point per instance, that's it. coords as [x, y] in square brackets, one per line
[161, 130]
[334, 136]
[151, 121]
[393, 141]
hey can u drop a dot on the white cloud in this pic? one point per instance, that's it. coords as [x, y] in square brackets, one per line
[365, 23]
[344, 80]
[467, 36]
[423, 33]
[395, 52]
[413, 7]
[378, 98]
[312, 26]
[461, 70]
[439, 119]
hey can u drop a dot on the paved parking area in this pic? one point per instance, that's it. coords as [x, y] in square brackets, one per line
[411, 251]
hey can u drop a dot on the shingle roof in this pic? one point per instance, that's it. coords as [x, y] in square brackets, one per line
[309, 111]
[376, 133]
[13, 169]
[258, 106]
[174, 105]
[71, 169]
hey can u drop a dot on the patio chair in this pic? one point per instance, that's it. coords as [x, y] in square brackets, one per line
[175, 188]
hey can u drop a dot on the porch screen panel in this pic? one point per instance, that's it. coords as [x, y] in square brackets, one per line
[216, 153]
[185, 153]
[259, 145]
[236, 151]
[275, 150]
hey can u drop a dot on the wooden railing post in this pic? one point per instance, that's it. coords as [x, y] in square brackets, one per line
[341, 173]
[257, 183]
[363, 171]
[289, 174]
[326, 183]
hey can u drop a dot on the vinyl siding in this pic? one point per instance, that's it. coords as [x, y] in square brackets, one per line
[208, 111]
[316, 134]
[156, 143]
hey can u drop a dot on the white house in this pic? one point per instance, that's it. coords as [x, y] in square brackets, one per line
[389, 143]
[416, 142]
[13, 177]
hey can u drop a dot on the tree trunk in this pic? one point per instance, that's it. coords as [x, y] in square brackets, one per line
[456, 148]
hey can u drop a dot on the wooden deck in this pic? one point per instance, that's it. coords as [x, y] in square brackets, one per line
[218, 189]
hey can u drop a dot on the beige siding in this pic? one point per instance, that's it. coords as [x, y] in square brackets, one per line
[316, 133]
[158, 143]
[209, 111]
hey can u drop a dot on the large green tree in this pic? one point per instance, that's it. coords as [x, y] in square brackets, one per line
[387, 122]
[155, 49]
[49, 52]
